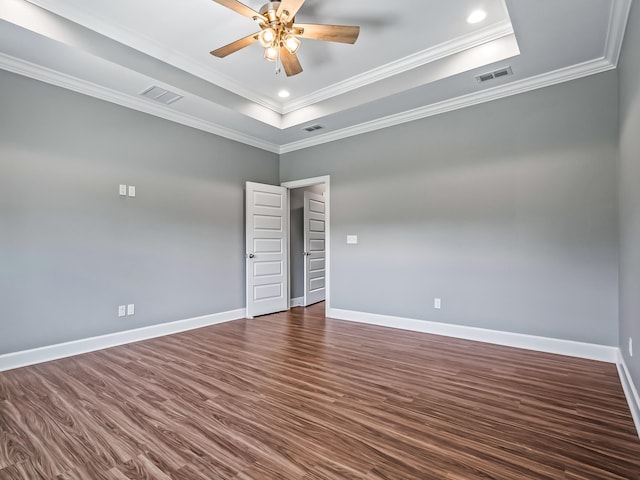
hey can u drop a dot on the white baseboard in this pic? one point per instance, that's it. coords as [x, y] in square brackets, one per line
[630, 391]
[296, 302]
[530, 342]
[570, 348]
[13, 360]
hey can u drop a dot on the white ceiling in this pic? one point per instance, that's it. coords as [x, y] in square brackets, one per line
[414, 58]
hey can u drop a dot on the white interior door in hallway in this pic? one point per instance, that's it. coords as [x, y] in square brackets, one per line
[314, 248]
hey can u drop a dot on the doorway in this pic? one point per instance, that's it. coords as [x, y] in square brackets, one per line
[307, 245]
[268, 245]
[317, 185]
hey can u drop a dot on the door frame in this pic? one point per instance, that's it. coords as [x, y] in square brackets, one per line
[309, 182]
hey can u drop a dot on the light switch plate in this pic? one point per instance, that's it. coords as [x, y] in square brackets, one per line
[352, 239]
[131, 309]
[132, 191]
[123, 190]
[437, 303]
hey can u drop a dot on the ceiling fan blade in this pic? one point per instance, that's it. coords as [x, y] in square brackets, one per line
[235, 46]
[290, 62]
[329, 33]
[238, 8]
[291, 6]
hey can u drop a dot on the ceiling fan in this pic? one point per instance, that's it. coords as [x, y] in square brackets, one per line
[279, 33]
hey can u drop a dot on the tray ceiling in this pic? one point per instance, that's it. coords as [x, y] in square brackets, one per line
[413, 59]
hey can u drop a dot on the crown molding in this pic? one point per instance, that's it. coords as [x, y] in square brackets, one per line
[617, 24]
[615, 36]
[146, 45]
[540, 81]
[618, 20]
[53, 77]
[446, 49]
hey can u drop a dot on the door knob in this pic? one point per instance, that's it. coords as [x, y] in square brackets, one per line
[251, 255]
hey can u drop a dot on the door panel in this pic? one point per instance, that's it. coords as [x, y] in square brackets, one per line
[264, 222]
[266, 244]
[264, 269]
[314, 244]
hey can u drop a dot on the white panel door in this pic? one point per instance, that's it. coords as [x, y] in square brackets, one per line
[266, 249]
[314, 248]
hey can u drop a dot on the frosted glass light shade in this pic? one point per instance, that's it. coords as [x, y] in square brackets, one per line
[271, 54]
[266, 37]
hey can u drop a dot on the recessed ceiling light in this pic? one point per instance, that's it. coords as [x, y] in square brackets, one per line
[283, 94]
[477, 16]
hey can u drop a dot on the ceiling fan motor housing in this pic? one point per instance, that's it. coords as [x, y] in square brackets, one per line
[269, 11]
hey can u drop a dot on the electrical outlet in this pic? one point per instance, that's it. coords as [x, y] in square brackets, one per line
[123, 190]
[122, 310]
[131, 309]
[132, 191]
[630, 347]
[437, 303]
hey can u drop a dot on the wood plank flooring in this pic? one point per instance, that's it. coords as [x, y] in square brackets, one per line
[295, 396]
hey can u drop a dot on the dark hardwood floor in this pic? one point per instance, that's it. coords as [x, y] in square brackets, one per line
[295, 396]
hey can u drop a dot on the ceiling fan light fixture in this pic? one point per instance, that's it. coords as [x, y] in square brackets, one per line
[271, 53]
[291, 43]
[267, 37]
[279, 35]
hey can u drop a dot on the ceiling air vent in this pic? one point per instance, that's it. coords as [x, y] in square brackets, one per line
[161, 95]
[312, 128]
[485, 77]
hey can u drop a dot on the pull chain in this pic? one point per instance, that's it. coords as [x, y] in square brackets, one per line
[278, 64]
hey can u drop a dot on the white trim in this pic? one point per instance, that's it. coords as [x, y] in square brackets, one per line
[154, 49]
[308, 182]
[615, 36]
[53, 77]
[23, 358]
[630, 391]
[43, 74]
[570, 348]
[430, 55]
[514, 88]
[296, 302]
[617, 26]
[148, 46]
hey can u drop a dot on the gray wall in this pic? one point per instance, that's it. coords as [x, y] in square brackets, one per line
[630, 194]
[507, 211]
[72, 250]
[296, 203]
